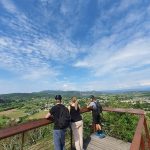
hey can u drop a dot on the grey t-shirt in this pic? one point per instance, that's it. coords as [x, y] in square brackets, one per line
[93, 105]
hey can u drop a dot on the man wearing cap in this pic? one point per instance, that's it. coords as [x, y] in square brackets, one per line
[59, 133]
[95, 116]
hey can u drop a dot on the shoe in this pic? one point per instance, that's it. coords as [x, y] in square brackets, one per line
[102, 135]
[97, 134]
[103, 132]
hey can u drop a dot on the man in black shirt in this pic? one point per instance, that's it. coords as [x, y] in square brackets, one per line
[59, 132]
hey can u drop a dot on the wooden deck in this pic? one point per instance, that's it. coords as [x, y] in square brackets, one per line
[107, 143]
[93, 143]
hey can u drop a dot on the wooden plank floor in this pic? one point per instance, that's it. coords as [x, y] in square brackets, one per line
[93, 143]
[107, 143]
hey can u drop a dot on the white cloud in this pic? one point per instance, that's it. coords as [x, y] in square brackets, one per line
[9, 6]
[82, 64]
[39, 73]
[29, 52]
[67, 87]
[7, 86]
[145, 83]
[120, 46]
[134, 54]
[127, 3]
[28, 56]
[4, 42]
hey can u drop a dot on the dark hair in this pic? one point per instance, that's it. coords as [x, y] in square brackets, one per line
[92, 96]
[58, 97]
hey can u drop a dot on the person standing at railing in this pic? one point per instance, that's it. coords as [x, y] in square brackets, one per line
[76, 123]
[96, 110]
[61, 117]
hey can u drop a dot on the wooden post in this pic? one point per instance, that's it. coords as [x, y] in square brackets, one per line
[94, 127]
[71, 139]
[142, 145]
[22, 142]
[147, 132]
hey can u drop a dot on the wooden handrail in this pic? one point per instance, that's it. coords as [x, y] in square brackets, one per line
[7, 132]
[21, 128]
[10, 131]
[117, 110]
[138, 134]
[124, 110]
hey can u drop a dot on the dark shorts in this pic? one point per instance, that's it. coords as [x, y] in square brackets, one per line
[96, 119]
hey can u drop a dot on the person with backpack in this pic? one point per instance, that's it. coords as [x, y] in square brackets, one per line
[76, 123]
[96, 110]
[60, 114]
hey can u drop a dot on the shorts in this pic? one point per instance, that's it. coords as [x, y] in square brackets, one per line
[96, 119]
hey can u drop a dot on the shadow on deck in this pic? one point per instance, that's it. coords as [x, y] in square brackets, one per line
[107, 143]
[92, 143]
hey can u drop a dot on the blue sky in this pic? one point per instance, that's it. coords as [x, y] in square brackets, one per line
[74, 45]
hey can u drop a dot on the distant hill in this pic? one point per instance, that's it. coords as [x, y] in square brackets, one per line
[46, 94]
[52, 93]
[71, 93]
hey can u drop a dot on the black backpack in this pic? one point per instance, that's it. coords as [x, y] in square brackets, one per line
[99, 108]
[64, 118]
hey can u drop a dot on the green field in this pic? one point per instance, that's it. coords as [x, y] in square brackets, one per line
[13, 113]
[121, 126]
[38, 115]
[3, 120]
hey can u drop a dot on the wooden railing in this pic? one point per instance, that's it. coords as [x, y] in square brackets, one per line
[140, 141]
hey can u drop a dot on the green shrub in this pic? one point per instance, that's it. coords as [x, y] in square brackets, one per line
[121, 125]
